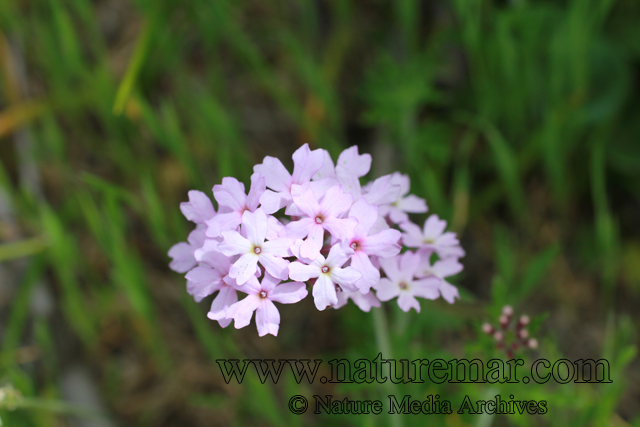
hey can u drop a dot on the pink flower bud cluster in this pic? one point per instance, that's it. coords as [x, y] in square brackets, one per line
[318, 227]
[519, 329]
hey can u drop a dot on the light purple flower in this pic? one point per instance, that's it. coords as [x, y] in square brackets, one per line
[330, 274]
[383, 244]
[306, 163]
[199, 208]
[432, 237]
[357, 164]
[363, 301]
[382, 191]
[260, 299]
[405, 203]
[233, 203]
[182, 253]
[442, 268]
[320, 217]
[400, 282]
[208, 277]
[252, 248]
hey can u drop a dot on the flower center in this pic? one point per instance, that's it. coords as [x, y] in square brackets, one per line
[263, 294]
[355, 246]
[325, 269]
[257, 250]
[403, 285]
[319, 220]
[429, 240]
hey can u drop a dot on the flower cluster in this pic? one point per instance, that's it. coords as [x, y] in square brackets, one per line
[519, 332]
[317, 227]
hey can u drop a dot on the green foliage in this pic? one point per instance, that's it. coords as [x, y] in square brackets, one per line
[517, 120]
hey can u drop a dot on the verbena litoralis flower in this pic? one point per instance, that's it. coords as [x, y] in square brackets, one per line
[260, 298]
[401, 282]
[317, 225]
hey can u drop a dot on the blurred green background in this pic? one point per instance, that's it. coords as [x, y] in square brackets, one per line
[517, 120]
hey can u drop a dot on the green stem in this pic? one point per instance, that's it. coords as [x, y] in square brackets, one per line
[384, 346]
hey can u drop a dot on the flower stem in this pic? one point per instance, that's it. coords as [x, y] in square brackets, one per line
[384, 346]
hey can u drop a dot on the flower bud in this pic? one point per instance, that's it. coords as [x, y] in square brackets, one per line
[487, 328]
[504, 321]
[507, 310]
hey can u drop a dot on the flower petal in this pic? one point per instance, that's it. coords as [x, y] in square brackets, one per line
[242, 311]
[267, 318]
[409, 263]
[303, 272]
[288, 293]
[306, 163]
[366, 215]
[412, 236]
[225, 298]
[346, 278]
[324, 292]
[298, 229]
[278, 247]
[230, 194]
[447, 267]
[369, 274]
[358, 164]
[426, 288]
[384, 244]
[276, 266]
[199, 207]
[336, 202]
[341, 228]
[183, 259]
[244, 268]
[310, 248]
[234, 244]
[223, 222]
[434, 227]
[386, 289]
[258, 187]
[272, 202]
[448, 291]
[412, 204]
[327, 170]
[202, 281]
[254, 226]
[275, 174]
[390, 267]
[406, 302]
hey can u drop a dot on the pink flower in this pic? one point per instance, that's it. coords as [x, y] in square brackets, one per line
[320, 217]
[441, 269]
[253, 248]
[306, 163]
[260, 299]
[199, 208]
[383, 244]
[207, 278]
[330, 276]
[382, 191]
[353, 162]
[400, 282]
[405, 203]
[363, 301]
[182, 253]
[432, 237]
[233, 203]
